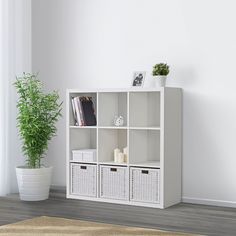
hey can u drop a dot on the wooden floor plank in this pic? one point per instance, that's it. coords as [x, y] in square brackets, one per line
[200, 219]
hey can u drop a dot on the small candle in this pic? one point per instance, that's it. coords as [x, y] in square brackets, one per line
[125, 150]
[116, 152]
[120, 157]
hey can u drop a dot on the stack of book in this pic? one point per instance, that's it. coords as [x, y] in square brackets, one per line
[83, 111]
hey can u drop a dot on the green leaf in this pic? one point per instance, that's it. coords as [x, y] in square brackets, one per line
[160, 69]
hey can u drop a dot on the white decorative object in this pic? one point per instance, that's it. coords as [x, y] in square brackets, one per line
[34, 184]
[77, 155]
[84, 179]
[125, 151]
[121, 158]
[114, 182]
[145, 185]
[84, 155]
[160, 80]
[118, 121]
[116, 152]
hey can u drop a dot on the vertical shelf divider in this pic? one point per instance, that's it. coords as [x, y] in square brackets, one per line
[98, 176]
[128, 155]
[97, 124]
[162, 111]
[68, 179]
[128, 103]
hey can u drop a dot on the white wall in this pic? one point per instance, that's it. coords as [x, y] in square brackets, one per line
[99, 43]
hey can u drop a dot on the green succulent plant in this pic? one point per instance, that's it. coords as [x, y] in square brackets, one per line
[160, 69]
[37, 115]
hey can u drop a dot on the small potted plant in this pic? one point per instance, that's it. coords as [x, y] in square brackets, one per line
[38, 114]
[160, 72]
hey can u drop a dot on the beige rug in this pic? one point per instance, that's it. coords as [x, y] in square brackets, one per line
[52, 226]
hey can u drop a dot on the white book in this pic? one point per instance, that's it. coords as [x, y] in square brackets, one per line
[81, 111]
[74, 111]
[76, 100]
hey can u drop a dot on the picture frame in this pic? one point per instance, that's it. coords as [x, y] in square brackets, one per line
[138, 78]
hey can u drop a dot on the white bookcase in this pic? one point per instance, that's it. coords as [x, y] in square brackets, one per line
[152, 132]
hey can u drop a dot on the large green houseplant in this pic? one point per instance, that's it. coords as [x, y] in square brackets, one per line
[37, 117]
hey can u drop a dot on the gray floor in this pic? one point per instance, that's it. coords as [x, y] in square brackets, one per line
[206, 220]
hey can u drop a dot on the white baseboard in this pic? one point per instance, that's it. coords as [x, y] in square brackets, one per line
[210, 202]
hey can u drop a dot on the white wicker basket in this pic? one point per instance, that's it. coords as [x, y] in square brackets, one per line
[84, 179]
[144, 185]
[114, 182]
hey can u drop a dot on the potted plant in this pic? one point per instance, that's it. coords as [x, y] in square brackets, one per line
[38, 114]
[160, 72]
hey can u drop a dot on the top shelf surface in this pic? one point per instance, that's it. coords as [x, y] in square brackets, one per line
[114, 127]
[120, 90]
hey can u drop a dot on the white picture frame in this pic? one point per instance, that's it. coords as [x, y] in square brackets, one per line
[138, 79]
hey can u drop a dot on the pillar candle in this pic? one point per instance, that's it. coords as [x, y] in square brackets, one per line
[120, 157]
[125, 150]
[116, 152]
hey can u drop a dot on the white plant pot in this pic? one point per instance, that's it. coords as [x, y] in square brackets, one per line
[34, 184]
[160, 80]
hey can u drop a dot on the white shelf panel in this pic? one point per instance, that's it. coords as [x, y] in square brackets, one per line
[155, 164]
[82, 127]
[84, 162]
[152, 205]
[145, 128]
[112, 127]
[116, 90]
[112, 163]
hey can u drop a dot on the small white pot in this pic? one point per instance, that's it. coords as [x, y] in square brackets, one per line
[34, 184]
[160, 80]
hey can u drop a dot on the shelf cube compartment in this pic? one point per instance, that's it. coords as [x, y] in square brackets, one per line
[84, 180]
[71, 113]
[144, 109]
[82, 139]
[145, 185]
[144, 147]
[108, 140]
[111, 105]
[114, 182]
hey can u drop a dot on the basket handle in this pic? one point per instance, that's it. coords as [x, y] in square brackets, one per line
[83, 167]
[145, 172]
[113, 169]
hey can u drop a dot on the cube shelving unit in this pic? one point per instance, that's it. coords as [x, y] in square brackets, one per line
[152, 132]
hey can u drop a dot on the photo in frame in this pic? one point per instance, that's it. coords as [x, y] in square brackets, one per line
[138, 78]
